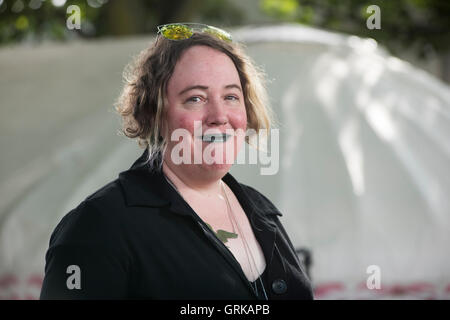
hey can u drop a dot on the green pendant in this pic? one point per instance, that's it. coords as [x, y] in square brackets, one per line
[223, 235]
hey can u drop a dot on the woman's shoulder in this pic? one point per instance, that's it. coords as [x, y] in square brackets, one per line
[94, 220]
[106, 202]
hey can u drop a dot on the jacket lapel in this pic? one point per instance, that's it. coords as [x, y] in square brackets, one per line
[145, 187]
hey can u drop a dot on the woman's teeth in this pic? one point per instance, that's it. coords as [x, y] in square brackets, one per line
[220, 137]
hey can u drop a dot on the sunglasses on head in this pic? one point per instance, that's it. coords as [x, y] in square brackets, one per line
[182, 31]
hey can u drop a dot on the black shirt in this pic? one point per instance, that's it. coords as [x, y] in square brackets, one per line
[136, 238]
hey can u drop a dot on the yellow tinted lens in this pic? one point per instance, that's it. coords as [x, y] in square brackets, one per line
[176, 32]
[218, 33]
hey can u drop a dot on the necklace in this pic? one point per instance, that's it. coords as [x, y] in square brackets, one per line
[248, 251]
[235, 225]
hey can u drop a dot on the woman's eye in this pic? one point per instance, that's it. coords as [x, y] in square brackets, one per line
[194, 99]
[232, 97]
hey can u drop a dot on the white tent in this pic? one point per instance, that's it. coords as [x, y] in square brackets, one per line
[363, 176]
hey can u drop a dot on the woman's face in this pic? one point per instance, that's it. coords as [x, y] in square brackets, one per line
[205, 105]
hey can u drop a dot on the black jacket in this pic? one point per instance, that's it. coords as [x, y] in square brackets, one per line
[137, 238]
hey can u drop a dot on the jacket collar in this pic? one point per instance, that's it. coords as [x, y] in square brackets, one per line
[142, 186]
[145, 187]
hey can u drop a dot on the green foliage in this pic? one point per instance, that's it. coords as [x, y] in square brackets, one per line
[282, 9]
[419, 24]
[41, 19]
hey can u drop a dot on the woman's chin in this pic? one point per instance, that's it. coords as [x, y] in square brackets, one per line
[218, 169]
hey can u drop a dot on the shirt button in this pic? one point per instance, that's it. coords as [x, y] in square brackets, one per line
[279, 286]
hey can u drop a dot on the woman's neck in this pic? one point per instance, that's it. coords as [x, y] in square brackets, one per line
[185, 183]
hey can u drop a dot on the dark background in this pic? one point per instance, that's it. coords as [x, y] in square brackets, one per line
[421, 28]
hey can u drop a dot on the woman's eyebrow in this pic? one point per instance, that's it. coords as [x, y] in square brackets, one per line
[233, 86]
[192, 88]
[230, 86]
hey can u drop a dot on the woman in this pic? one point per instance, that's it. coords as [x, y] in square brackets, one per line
[175, 225]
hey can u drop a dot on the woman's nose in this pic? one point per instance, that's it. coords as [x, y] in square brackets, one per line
[216, 114]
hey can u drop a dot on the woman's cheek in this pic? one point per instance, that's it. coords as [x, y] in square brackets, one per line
[239, 120]
[188, 123]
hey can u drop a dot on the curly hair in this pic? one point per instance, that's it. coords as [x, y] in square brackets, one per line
[142, 100]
